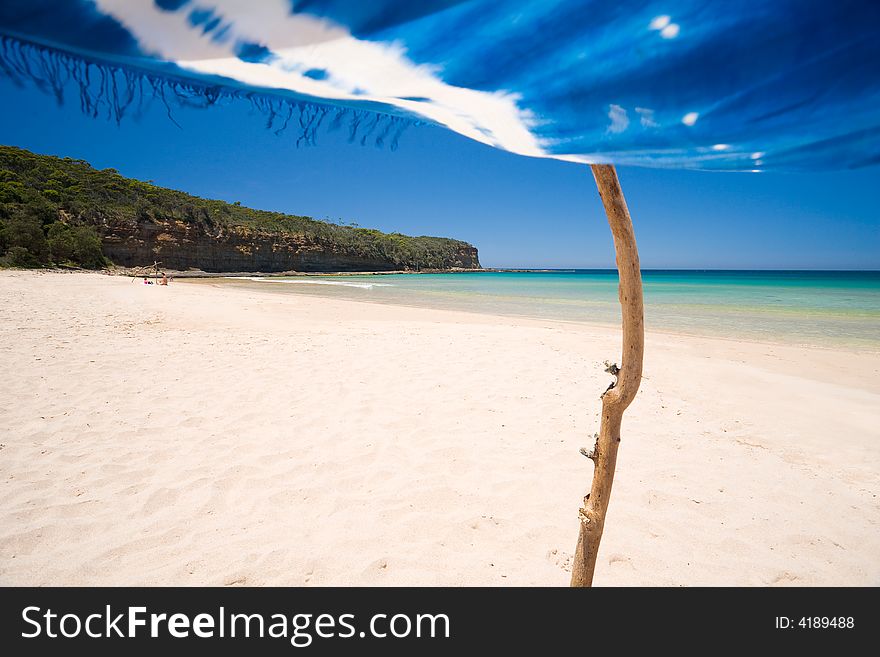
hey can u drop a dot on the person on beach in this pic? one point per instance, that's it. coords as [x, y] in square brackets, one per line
[164, 280]
[147, 281]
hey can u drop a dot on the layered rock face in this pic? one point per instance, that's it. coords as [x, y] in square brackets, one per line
[178, 245]
[140, 223]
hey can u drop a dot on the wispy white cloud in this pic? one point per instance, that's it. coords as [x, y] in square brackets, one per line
[670, 31]
[619, 119]
[646, 117]
[659, 22]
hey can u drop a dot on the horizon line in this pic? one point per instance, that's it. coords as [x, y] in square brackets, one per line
[707, 269]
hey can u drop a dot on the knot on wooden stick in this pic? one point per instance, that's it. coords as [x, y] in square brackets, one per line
[614, 370]
[583, 514]
[592, 454]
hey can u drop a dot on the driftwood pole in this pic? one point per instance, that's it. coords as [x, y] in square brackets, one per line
[621, 393]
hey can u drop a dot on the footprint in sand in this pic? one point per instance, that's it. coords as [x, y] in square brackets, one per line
[785, 578]
[484, 522]
[159, 500]
[193, 421]
[620, 559]
[561, 559]
[379, 565]
[654, 496]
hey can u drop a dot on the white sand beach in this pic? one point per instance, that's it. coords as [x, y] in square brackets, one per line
[203, 434]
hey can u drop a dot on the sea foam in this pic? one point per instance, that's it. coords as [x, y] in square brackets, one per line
[259, 279]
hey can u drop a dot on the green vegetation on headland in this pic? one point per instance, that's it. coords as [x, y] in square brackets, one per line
[32, 201]
[61, 211]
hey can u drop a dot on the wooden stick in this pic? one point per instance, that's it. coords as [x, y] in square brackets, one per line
[617, 397]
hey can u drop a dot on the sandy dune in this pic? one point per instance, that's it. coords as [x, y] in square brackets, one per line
[198, 434]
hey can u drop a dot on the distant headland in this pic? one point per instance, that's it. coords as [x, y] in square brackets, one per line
[62, 211]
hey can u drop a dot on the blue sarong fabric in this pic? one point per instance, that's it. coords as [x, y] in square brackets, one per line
[735, 85]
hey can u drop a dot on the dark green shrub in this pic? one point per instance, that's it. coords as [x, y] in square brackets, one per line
[26, 232]
[61, 246]
[87, 247]
[18, 256]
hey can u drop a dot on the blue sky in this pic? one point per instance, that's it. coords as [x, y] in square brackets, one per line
[519, 212]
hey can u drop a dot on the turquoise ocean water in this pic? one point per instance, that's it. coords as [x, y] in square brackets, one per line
[805, 307]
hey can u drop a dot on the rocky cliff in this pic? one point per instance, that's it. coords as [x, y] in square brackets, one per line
[179, 245]
[139, 223]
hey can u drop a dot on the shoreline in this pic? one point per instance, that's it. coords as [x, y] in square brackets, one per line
[207, 277]
[224, 436]
[292, 274]
[610, 331]
[706, 333]
[193, 273]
